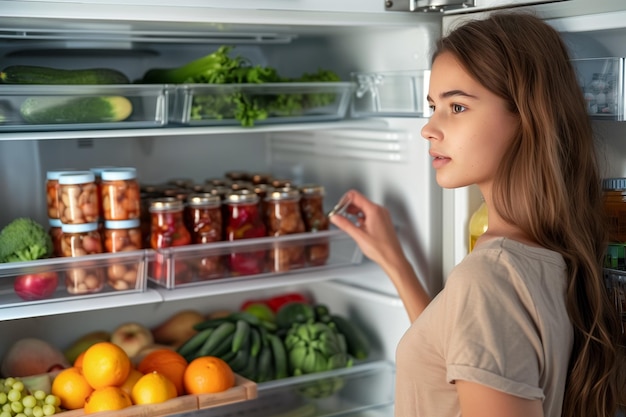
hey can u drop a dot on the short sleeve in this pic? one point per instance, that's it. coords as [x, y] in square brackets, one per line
[492, 337]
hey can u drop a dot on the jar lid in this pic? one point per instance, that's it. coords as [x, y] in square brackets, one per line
[121, 224]
[241, 185]
[118, 174]
[237, 175]
[166, 203]
[285, 193]
[55, 174]
[79, 228]
[181, 182]
[54, 222]
[261, 177]
[217, 181]
[97, 171]
[242, 196]
[312, 189]
[614, 184]
[77, 177]
[281, 182]
[263, 188]
[220, 190]
[204, 199]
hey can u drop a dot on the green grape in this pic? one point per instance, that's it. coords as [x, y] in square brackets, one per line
[17, 407]
[37, 411]
[7, 407]
[29, 401]
[3, 398]
[40, 394]
[28, 411]
[18, 385]
[52, 400]
[6, 414]
[49, 410]
[14, 395]
[21, 415]
[8, 382]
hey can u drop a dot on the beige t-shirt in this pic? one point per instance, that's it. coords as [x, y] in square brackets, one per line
[500, 321]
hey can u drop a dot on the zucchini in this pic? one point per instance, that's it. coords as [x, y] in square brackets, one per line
[30, 74]
[59, 109]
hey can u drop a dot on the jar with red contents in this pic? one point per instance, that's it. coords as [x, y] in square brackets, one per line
[79, 240]
[168, 230]
[55, 233]
[122, 236]
[283, 217]
[245, 222]
[204, 216]
[312, 208]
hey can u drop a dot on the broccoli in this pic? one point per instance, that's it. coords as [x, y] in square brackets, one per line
[24, 240]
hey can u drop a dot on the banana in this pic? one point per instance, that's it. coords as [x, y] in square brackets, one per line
[281, 363]
[220, 333]
[242, 333]
[195, 342]
[255, 341]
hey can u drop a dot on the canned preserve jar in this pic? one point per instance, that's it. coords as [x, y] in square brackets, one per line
[52, 191]
[55, 233]
[167, 229]
[312, 208]
[122, 236]
[615, 206]
[245, 222]
[78, 198]
[80, 240]
[283, 217]
[204, 216]
[121, 198]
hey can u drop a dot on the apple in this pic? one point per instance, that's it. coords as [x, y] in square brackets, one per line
[132, 337]
[36, 286]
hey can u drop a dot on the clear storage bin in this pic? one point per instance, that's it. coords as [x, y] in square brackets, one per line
[80, 107]
[602, 81]
[219, 104]
[392, 94]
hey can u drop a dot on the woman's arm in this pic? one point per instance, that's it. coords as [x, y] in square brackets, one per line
[481, 401]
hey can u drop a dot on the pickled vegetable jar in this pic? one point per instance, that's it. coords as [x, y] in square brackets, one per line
[168, 230]
[204, 217]
[52, 191]
[283, 217]
[55, 233]
[245, 222]
[122, 236]
[312, 208]
[78, 198]
[120, 195]
[79, 240]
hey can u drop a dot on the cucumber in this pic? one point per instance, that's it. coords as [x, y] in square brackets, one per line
[30, 74]
[99, 109]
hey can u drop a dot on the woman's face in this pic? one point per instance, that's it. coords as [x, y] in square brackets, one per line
[470, 128]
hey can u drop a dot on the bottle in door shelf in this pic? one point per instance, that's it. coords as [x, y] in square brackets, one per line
[477, 225]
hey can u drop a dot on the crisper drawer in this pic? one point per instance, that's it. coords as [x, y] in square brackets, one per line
[391, 94]
[219, 262]
[81, 107]
[60, 279]
[257, 104]
[360, 390]
[602, 80]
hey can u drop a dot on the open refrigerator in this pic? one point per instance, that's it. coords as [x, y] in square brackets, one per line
[368, 139]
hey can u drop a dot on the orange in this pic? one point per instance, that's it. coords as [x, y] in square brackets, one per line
[107, 399]
[78, 362]
[153, 388]
[208, 374]
[72, 388]
[167, 362]
[106, 364]
[133, 377]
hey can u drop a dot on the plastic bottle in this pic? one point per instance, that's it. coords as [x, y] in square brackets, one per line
[477, 225]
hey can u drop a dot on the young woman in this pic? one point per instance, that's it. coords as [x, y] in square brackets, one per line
[524, 326]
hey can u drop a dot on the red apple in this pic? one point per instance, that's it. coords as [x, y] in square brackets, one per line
[36, 286]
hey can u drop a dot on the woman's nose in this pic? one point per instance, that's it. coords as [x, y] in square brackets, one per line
[429, 131]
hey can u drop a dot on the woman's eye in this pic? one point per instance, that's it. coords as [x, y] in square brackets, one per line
[431, 107]
[457, 108]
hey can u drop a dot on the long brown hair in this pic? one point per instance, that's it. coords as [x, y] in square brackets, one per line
[549, 185]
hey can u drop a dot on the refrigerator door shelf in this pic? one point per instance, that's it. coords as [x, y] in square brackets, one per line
[602, 80]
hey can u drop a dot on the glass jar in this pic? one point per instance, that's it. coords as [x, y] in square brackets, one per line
[168, 230]
[237, 176]
[78, 198]
[204, 216]
[283, 217]
[120, 195]
[245, 222]
[122, 236]
[97, 173]
[312, 208]
[52, 191]
[80, 240]
[615, 207]
[261, 178]
[55, 233]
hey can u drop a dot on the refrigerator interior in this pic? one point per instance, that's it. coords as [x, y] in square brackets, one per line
[384, 157]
